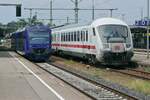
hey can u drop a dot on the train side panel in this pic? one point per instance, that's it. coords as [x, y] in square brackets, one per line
[106, 40]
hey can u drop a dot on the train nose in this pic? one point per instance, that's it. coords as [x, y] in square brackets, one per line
[117, 58]
[39, 50]
[117, 47]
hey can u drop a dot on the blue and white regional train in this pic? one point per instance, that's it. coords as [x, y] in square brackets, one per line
[105, 40]
[34, 42]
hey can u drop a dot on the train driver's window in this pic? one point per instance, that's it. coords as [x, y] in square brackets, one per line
[94, 32]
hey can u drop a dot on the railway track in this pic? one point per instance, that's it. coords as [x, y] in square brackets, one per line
[135, 73]
[99, 91]
[84, 85]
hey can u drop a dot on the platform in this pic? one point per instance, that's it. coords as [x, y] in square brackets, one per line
[22, 80]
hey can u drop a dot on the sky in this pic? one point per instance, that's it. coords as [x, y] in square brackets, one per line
[131, 9]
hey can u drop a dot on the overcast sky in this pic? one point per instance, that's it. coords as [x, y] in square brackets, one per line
[130, 8]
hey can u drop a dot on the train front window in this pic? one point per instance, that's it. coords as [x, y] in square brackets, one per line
[39, 37]
[113, 31]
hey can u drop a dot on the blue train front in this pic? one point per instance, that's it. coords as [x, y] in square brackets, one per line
[34, 42]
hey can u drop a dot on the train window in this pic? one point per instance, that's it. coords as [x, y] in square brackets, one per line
[57, 36]
[94, 32]
[61, 36]
[54, 37]
[78, 36]
[68, 36]
[74, 36]
[83, 36]
[65, 37]
[86, 35]
[71, 36]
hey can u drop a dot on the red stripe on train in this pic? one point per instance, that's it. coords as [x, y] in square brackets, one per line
[75, 46]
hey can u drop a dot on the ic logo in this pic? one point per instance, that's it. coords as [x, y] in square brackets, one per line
[117, 47]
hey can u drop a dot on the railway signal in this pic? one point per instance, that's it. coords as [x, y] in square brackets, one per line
[18, 8]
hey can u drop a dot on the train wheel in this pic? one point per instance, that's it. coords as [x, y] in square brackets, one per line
[92, 59]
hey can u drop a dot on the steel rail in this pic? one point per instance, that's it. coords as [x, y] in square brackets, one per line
[134, 73]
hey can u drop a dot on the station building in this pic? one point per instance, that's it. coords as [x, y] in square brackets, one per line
[139, 34]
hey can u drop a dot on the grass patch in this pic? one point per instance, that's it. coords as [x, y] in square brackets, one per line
[147, 69]
[141, 86]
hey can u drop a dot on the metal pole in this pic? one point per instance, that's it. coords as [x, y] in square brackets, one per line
[141, 13]
[111, 12]
[67, 20]
[147, 29]
[76, 11]
[93, 13]
[51, 12]
[30, 16]
[76, 2]
[123, 16]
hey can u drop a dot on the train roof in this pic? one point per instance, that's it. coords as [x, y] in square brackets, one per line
[108, 21]
[37, 27]
[32, 28]
[95, 23]
[72, 26]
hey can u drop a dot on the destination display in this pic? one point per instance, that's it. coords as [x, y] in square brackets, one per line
[142, 22]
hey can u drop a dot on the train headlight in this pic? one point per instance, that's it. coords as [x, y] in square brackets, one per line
[128, 45]
[106, 46]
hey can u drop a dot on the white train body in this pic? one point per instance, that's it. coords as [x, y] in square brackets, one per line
[105, 40]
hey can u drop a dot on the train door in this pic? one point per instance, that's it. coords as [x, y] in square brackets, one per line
[83, 40]
[59, 40]
[92, 40]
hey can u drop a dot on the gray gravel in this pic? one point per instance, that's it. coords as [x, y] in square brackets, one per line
[122, 89]
[87, 87]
